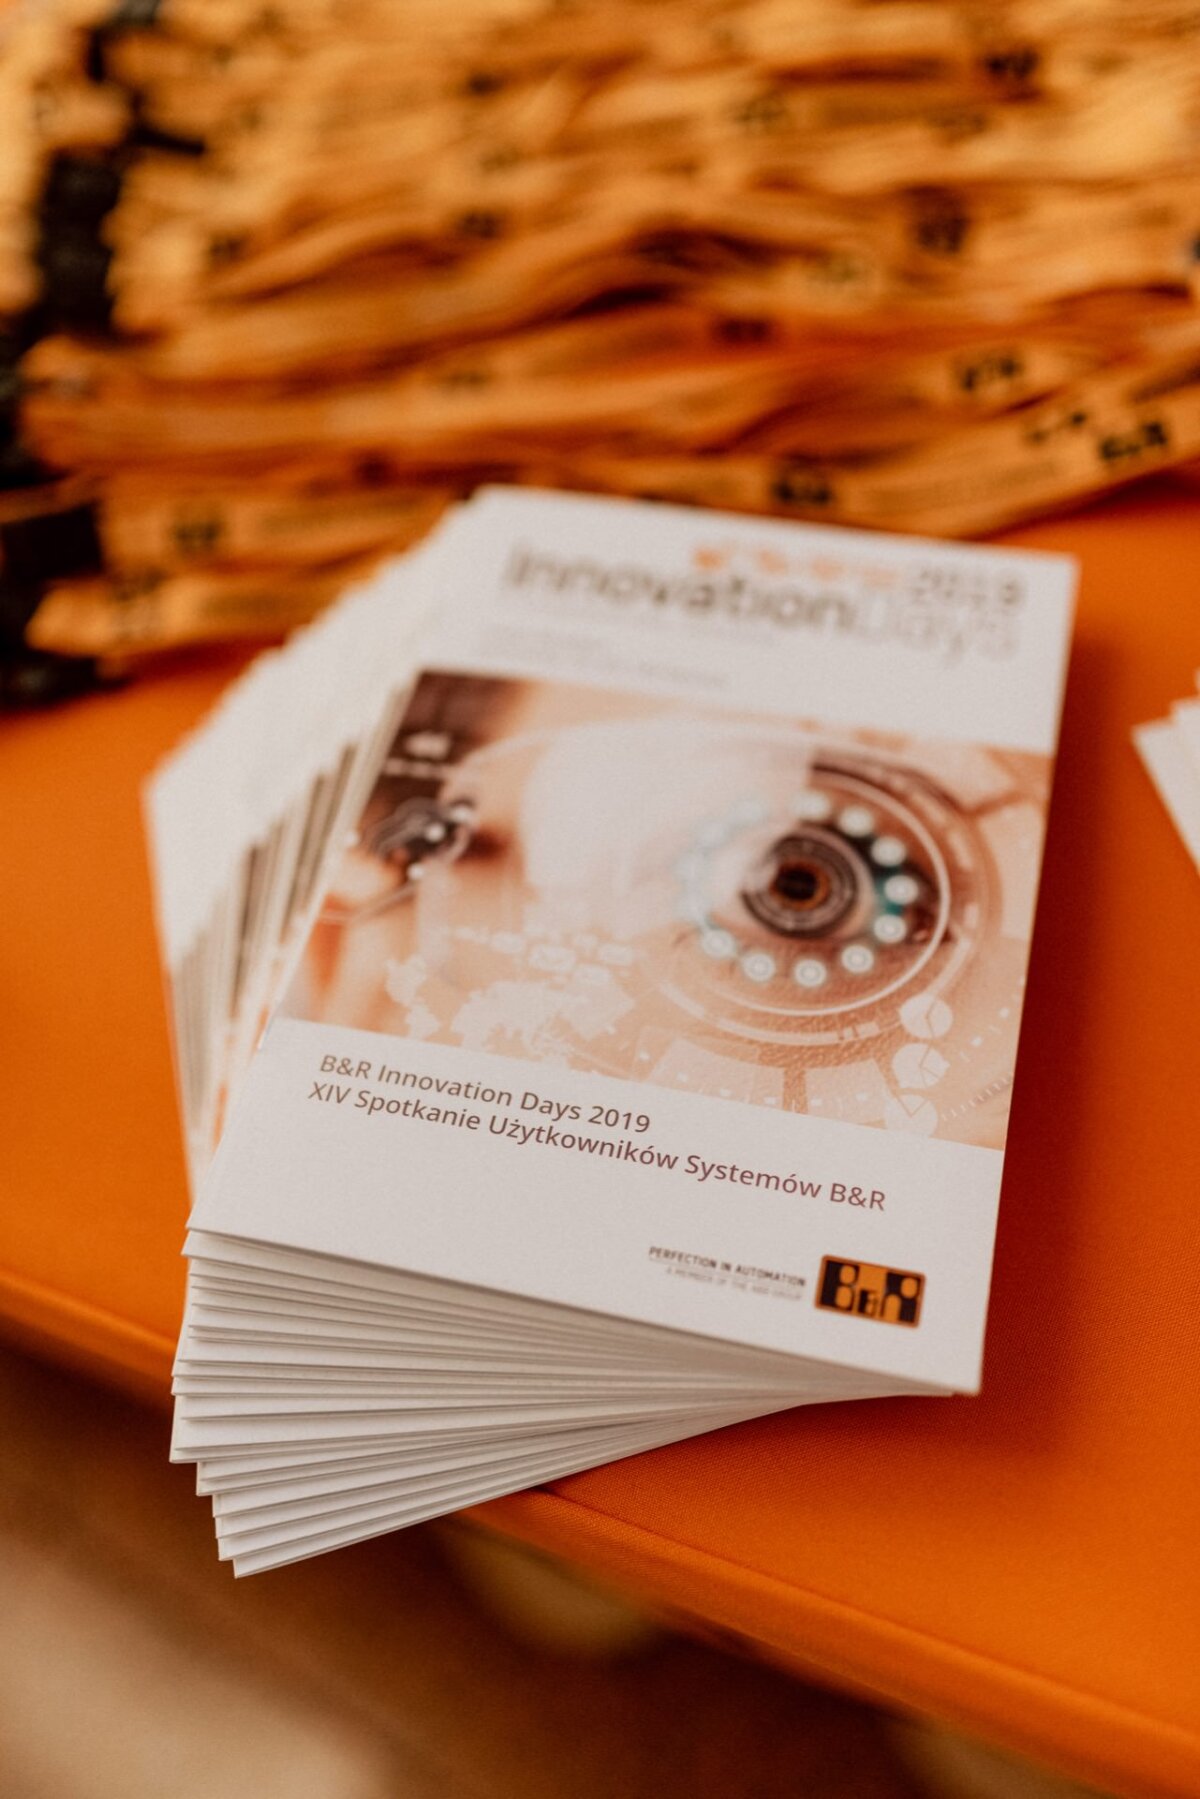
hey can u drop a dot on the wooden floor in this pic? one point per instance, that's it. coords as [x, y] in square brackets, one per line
[132, 1666]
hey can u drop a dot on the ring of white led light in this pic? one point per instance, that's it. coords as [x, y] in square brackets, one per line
[716, 833]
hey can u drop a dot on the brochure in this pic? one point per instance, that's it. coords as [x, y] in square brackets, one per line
[597, 952]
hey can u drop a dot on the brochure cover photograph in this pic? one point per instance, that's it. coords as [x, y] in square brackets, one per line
[806, 917]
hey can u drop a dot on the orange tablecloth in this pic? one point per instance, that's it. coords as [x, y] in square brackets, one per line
[1023, 1564]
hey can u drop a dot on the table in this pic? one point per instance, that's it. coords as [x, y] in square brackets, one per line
[1023, 1565]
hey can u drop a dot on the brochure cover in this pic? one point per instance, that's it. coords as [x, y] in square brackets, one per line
[673, 971]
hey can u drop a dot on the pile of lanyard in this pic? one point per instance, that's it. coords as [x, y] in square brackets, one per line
[279, 280]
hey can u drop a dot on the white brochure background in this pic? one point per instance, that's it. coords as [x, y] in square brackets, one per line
[558, 1224]
[890, 636]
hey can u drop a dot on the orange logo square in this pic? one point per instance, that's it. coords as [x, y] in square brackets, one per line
[867, 1290]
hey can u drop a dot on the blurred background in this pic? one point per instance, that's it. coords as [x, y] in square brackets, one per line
[277, 281]
[437, 1663]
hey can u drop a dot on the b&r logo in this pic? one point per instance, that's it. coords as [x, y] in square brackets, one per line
[865, 1290]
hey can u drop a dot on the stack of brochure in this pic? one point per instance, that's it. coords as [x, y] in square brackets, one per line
[596, 953]
[1170, 749]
